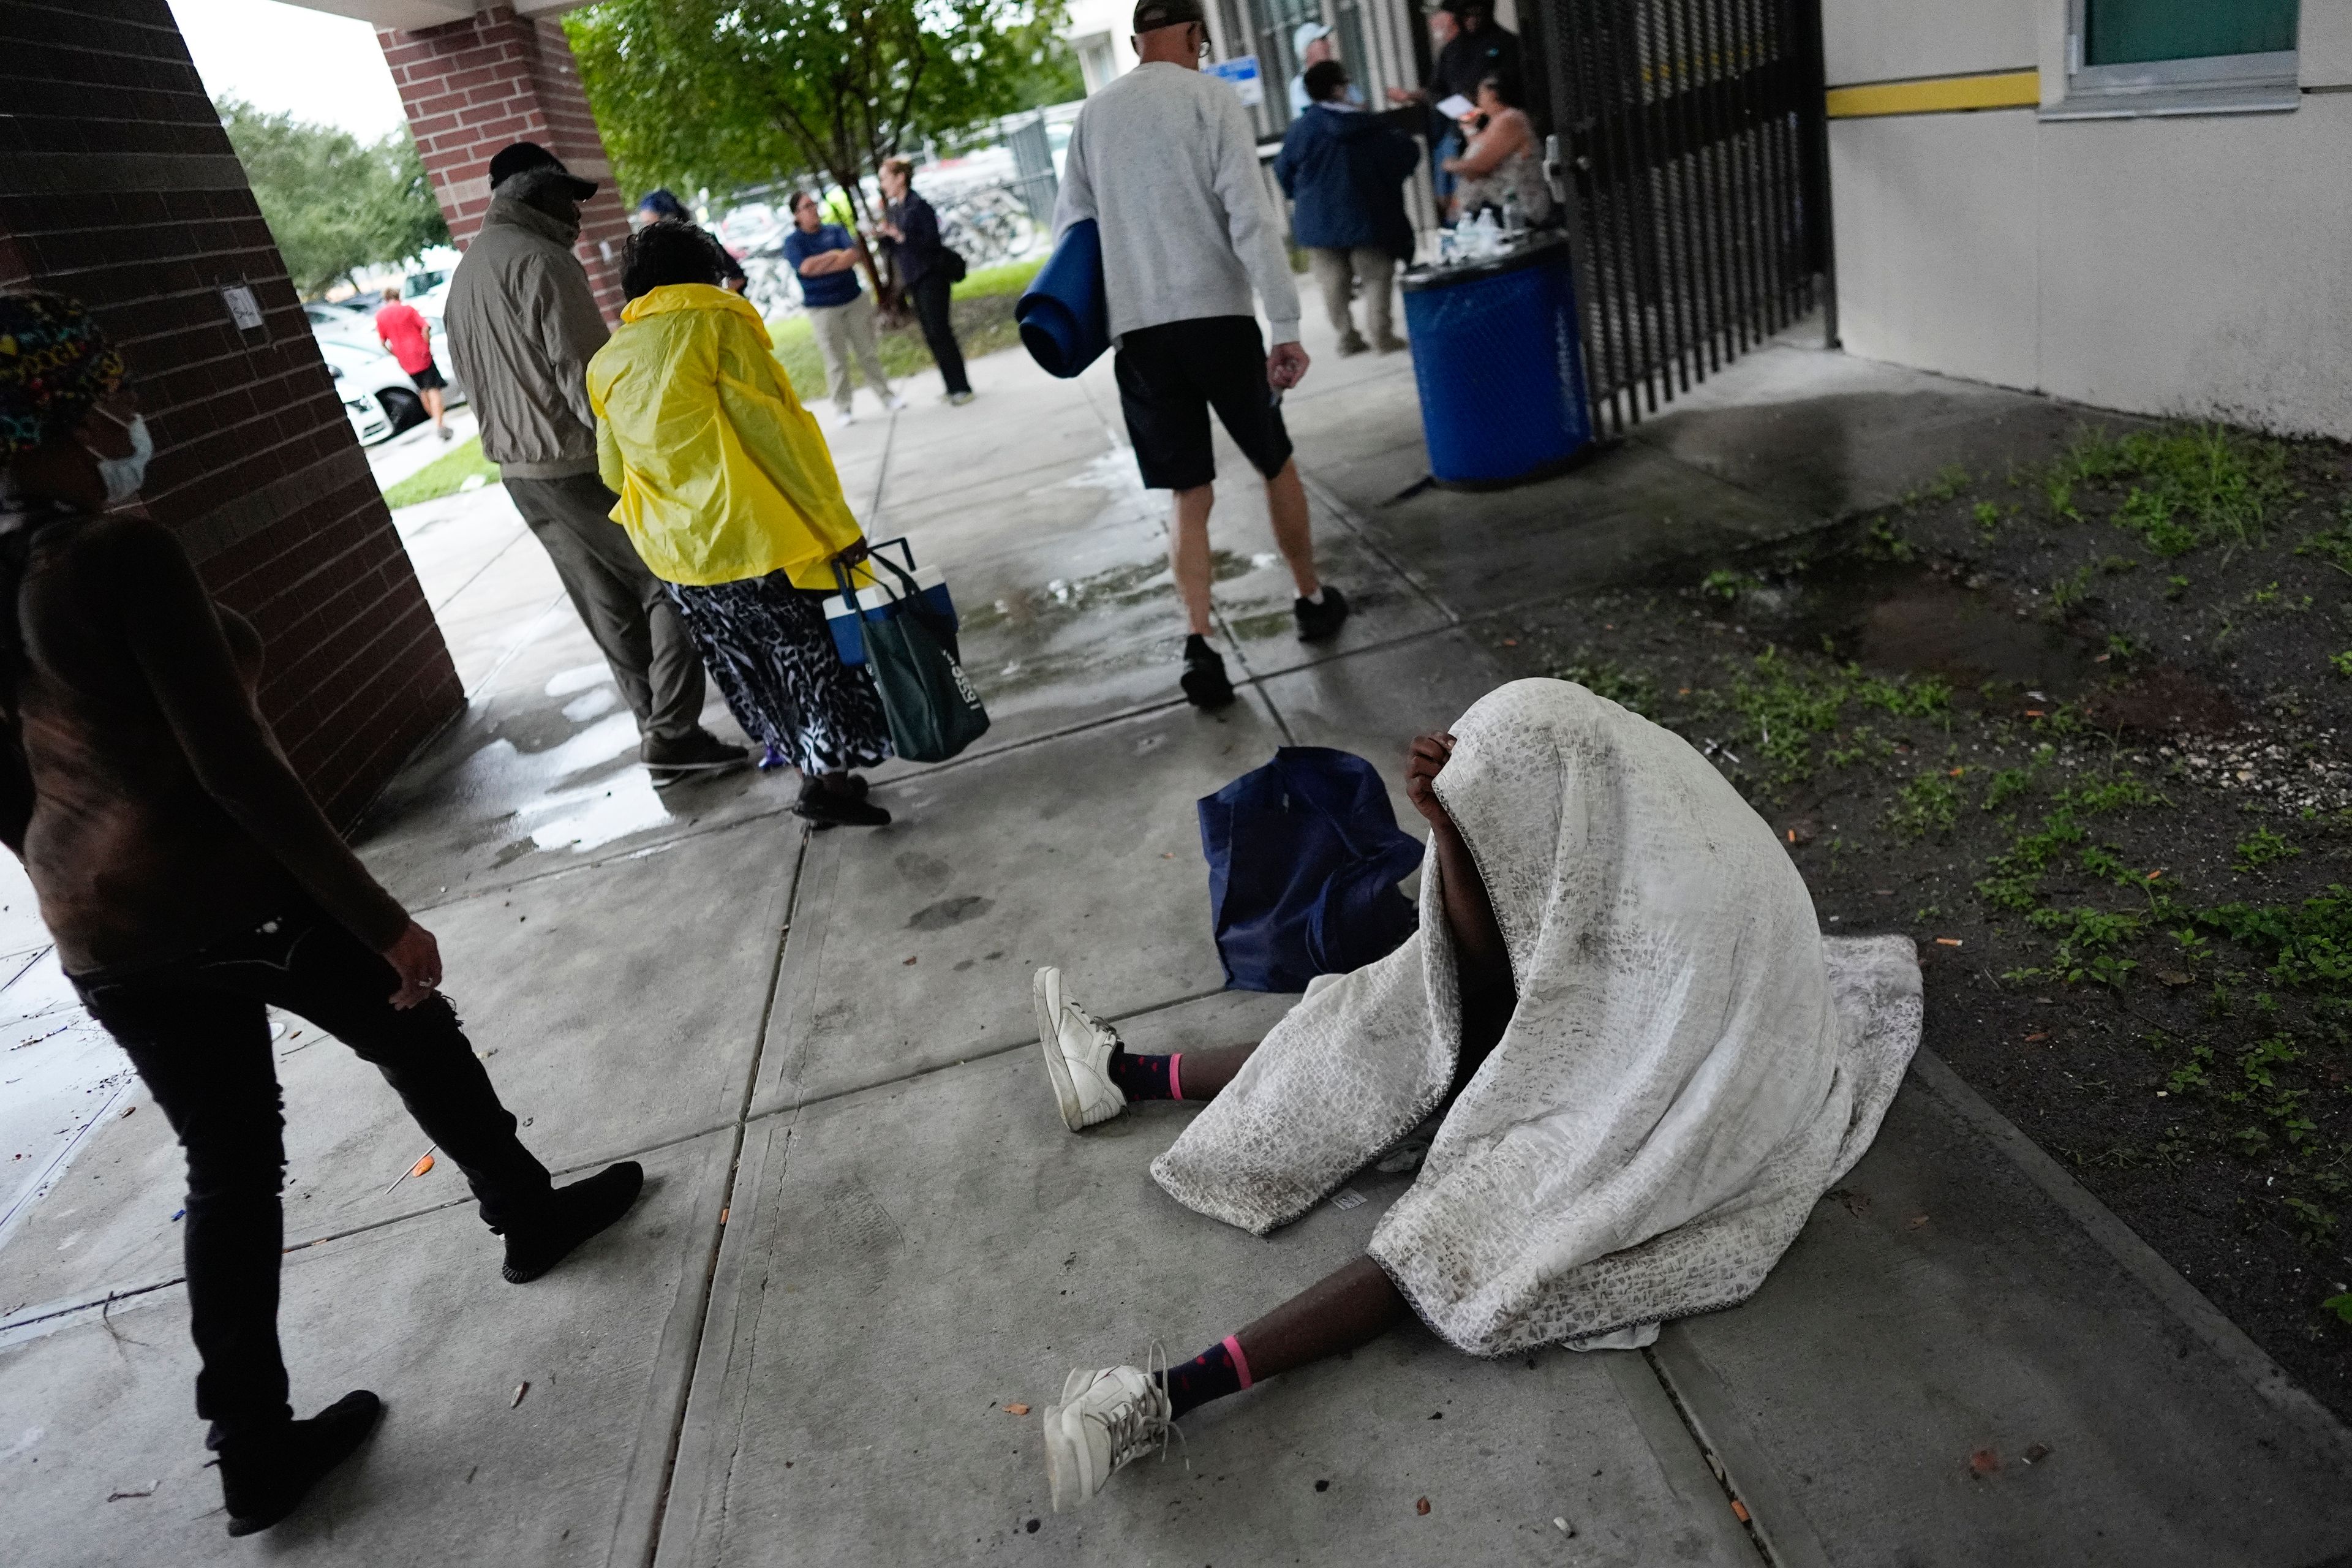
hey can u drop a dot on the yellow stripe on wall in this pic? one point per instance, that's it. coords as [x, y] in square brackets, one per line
[1938, 95]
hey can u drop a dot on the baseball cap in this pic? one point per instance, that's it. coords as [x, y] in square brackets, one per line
[521, 156]
[1151, 15]
[1308, 33]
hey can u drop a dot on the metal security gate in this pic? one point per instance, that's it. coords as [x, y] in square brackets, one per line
[1691, 138]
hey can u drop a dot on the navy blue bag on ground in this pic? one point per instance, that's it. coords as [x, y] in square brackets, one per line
[1305, 855]
[1064, 314]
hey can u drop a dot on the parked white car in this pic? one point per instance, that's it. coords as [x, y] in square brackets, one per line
[377, 394]
[340, 321]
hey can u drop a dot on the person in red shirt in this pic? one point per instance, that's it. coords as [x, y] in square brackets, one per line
[409, 336]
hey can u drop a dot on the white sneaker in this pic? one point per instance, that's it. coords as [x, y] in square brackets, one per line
[1077, 1055]
[844, 417]
[1106, 1421]
[894, 403]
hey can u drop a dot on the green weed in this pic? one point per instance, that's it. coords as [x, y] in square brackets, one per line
[2263, 848]
[1929, 803]
[2333, 545]
[2313, 1226]
[2306, 944]
[1863, 744]
[2094, 795]
[2066, 593]
[1988, 516]
[2341, 663]
[2200, 485]
[2006, 785]
[1724, 586]
[1949, 481]
[2175, 586]
[1628, 689]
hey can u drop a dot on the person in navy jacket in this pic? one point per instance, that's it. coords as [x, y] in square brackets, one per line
[1344, 171]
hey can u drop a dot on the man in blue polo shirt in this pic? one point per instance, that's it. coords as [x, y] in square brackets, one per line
[824, 258]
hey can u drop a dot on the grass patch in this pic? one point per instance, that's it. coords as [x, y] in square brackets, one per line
[444, 476]
[2184, 487]
[981, 307]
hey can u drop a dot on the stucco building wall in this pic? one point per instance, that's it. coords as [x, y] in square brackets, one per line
[2189, 265]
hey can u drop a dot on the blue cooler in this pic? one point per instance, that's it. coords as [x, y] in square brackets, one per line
[1497, 351]
[843, 618]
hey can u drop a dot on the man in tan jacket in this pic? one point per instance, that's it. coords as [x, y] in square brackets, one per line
[522, 323]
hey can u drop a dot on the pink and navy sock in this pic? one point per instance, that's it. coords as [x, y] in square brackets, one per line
[1146, 1077]
[1219, 1370]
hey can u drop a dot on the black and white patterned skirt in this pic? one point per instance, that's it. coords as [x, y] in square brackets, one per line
[767, 646]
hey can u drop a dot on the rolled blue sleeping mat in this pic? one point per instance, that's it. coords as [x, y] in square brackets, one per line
[1064, 319]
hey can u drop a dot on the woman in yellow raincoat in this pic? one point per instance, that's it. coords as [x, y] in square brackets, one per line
[730, 493]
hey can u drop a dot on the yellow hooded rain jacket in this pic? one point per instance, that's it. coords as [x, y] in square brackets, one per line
[722, 475]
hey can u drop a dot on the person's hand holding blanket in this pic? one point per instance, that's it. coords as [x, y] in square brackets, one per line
[1487, 994]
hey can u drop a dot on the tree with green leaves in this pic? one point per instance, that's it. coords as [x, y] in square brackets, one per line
[721, 94]
[333, 202]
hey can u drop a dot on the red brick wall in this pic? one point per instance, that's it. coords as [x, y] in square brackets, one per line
[472, 88]
[118, 186]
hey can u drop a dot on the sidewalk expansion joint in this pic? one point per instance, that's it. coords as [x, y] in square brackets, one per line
[692, 831]
[2171, 1291]
[1353, 522]
[719, 1231]
[989, 1054]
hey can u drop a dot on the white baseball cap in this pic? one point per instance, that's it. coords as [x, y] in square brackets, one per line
[1307, 33]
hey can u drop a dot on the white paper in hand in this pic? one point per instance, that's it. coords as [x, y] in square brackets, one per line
[1456, 106]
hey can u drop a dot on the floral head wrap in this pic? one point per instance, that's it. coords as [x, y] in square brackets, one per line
[54, 363]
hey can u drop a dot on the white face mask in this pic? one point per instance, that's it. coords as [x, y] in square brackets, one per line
[124, 476]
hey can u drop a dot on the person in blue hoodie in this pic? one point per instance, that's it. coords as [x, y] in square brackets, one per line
[1344, 171]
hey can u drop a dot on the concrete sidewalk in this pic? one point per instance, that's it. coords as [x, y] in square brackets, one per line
[869, 1234]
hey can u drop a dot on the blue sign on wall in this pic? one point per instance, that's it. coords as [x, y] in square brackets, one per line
[1243, 74]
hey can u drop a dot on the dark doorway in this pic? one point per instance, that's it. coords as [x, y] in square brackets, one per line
[1691, 138]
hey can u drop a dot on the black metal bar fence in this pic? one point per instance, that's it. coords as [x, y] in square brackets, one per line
[1691, 146]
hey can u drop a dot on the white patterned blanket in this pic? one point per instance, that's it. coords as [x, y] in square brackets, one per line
[1689, 1067]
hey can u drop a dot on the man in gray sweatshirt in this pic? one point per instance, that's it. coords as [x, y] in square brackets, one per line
[1163, 160]
[521, 322]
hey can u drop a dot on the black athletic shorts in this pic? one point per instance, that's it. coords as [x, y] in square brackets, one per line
[1170, 375]
[428, 379]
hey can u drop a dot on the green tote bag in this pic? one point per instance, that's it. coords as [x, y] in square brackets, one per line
[934, 713]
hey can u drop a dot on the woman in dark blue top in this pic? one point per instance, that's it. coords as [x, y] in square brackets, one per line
[926, 269]
[825, 256]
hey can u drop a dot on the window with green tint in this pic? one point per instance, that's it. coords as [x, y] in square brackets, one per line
[2128, 32]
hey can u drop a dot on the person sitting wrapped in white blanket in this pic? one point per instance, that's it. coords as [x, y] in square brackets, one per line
[1651, 1065]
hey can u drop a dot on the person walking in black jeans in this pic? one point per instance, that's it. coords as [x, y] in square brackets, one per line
[928, 270]
[191, 883]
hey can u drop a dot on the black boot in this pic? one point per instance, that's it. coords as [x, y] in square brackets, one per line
[265, 1474]
[1204, 681]
[573, 1215]
[1321, 620]
[838, 800]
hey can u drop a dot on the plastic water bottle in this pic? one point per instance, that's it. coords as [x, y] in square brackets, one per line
[1485, 233]
[1512, 221]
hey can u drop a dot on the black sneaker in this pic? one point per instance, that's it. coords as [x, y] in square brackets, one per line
[698, 753]
[1204, 681]
[264, 1475]
[1317, 622]
[845, 807]
[575, 1214]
